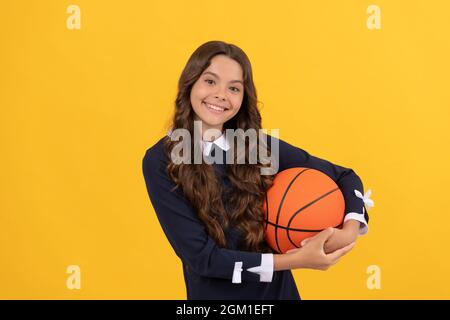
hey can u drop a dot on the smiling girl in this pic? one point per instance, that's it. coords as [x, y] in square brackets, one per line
[212, 214]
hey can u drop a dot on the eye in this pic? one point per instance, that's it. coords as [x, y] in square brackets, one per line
[234, 89]
[209, 81]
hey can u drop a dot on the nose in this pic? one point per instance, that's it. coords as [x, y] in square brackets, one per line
[220, 94]
[218, 97]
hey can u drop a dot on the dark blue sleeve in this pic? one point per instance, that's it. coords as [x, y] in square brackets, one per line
[184, 230]
[348, 181]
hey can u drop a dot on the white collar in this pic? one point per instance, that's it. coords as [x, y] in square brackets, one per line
[221, 142]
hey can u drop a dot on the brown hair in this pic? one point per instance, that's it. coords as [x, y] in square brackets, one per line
[199, 182]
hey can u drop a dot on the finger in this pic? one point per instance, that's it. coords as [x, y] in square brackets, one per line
[335, 261]
[323, 236]
[293, 250]
[341, 252]
[337, 254]
[305, 241]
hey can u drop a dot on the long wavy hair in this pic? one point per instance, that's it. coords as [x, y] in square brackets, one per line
[199, 182]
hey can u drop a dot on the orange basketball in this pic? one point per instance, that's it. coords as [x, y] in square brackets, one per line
[300, 203]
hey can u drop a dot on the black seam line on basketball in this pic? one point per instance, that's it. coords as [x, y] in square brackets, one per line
[306, 206]
[281, 204]
[301, 230]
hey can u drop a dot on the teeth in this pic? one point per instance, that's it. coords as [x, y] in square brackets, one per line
[214, 107]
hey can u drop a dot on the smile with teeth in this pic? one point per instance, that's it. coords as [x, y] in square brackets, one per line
[214, 107]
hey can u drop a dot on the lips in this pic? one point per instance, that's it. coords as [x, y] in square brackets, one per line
[214, 107]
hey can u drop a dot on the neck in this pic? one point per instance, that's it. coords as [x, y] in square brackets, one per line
[211, 135]
[208, 136]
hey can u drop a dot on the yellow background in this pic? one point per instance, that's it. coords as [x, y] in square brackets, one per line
[80, 107]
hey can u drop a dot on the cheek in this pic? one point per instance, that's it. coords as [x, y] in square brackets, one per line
[236, 102]
[199, 92]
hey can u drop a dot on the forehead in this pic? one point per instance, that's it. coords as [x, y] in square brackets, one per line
[226, 68]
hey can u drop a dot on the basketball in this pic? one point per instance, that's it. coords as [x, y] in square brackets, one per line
[300, 203]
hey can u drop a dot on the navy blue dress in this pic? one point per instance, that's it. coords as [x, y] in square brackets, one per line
[207, 268]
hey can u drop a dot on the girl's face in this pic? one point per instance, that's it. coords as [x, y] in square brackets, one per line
[218, 93]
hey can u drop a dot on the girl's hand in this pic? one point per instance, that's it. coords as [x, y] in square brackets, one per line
[312, 254]
[341, 237]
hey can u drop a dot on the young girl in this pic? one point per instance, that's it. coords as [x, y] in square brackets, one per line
[212, 214]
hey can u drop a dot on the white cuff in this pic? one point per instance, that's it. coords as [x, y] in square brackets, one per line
[358, 216]
[364, 228]
[237, 272]
[265, 270]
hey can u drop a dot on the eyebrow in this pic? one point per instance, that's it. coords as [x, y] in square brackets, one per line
[217, 76]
